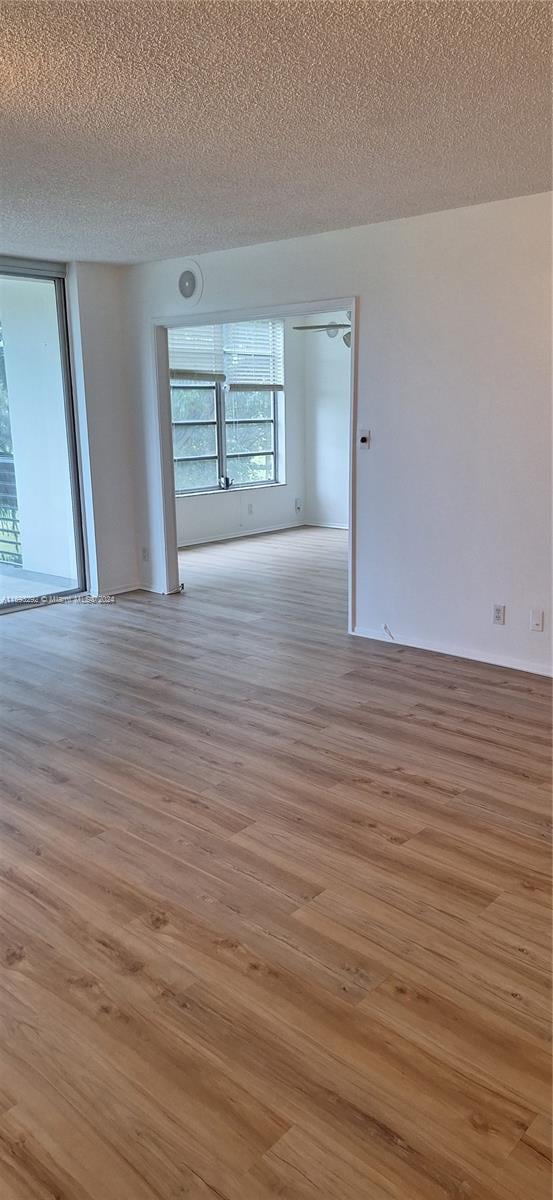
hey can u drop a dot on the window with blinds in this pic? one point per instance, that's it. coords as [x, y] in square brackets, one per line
[197, 351]
[253, 355]
[227, 386]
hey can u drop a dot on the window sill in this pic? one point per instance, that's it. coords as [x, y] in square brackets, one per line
[244, 487]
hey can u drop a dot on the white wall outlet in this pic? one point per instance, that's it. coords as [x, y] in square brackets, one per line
[365, 439]
[298, 504]
[250, 510]
[498, 614]
[536, 620]
[145, 554]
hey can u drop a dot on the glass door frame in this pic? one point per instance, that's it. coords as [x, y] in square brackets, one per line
[27, 268]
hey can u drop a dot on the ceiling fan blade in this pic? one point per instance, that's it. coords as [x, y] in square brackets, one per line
[318, 328]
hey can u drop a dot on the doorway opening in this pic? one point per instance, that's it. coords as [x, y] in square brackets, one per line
[262, 447]
[325, 357]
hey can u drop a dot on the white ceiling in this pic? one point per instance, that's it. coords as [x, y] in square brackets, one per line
[138, 130]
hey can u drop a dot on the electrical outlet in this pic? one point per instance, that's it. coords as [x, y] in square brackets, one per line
[498, 614]
[298, 504]
[250, 510]
[145, 554]
[536, 620]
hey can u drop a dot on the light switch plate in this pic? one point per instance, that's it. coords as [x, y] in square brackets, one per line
[536, 620]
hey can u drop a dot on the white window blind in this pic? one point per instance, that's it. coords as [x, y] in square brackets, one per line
[197, 351]
[249, 355]
[254, 354]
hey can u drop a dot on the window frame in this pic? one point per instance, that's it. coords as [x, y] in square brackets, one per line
[220, 392]
[196, 385]
[56, 273]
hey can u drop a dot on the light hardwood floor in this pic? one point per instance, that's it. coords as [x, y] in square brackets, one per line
[275, 912]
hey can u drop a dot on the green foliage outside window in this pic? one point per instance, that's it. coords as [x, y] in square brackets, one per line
[193, 404]
[255, 468]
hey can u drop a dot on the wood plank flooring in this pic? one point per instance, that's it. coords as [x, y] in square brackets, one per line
[275, 907]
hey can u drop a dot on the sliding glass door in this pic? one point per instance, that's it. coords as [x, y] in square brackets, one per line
[40, 523]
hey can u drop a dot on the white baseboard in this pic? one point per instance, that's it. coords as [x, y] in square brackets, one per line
[118, 591]
[496, 660]
[154, 592]
[324, 525]
[230, 537]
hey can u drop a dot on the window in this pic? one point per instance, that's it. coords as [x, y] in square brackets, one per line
[250, 437]
[41, 553]
[226, 383]
[195, 436]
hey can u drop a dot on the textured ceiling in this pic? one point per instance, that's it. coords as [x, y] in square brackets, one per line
[145, 130]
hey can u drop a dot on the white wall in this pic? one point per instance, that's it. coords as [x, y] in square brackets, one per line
[454, 381]
[38, 426]
[109, 427]
[327, 368]
[216, 515]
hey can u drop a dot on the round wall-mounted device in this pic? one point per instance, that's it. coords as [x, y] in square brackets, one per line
[187, 284]
[191, 283]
